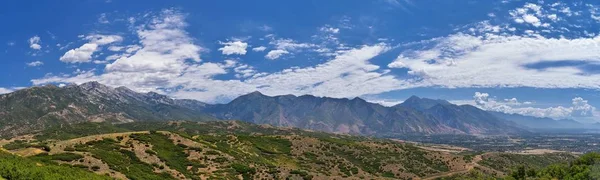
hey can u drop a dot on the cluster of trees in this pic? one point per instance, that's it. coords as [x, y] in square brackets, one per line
[584, 167]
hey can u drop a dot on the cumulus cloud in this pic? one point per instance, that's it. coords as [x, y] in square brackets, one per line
[579, 107]
[81, 54]
[159, 56]
[169, 62]
[84, 53]
[35, 63]
[234, 47]
[34, 43]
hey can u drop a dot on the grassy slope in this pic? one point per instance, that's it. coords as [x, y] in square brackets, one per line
[227, 150]
[14, 167]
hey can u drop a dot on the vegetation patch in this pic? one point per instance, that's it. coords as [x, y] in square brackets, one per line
[13, 167]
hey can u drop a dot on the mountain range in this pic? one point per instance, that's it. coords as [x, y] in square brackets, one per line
[38, 108]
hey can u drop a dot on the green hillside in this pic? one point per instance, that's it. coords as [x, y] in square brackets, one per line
[239, 150]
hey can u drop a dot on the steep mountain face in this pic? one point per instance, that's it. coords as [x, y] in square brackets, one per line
[38, 108]
[357, 116]
[325, 114]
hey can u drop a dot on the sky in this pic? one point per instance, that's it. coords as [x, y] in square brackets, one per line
[537, 58]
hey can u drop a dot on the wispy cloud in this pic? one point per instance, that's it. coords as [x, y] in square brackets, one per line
[35, 63]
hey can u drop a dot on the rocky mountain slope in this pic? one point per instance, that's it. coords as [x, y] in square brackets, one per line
[39, 108]
[357, 116]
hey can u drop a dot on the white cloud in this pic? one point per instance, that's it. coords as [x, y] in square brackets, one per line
[385, 102]
[259, 49]
[531, 19]
[168, 61]
[5, 90]
[115, 48]
[81, 54]
[330, 29]
[244, 71]
[275, 54]
[103, 39]
[35, 63]
[531, 14]
[34, 43]
[102, 19]
[9, 90]
[579, 108]
[462, 60]
[159, 57]
[234, 47]
[552, 17]
[289, 44]
[265, 28]
[397, 64]
[567, 11]
[84, 53]
[285, 46]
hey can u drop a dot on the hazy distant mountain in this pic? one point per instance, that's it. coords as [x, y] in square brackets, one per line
[38, 108]
[541, 123]
[464, 118]
[357, 116]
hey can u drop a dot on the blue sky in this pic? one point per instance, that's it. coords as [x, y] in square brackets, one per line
[539, 58]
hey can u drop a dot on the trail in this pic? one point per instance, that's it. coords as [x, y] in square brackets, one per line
[470, 166]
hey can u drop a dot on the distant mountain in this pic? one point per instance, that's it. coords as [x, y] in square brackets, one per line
[38, 108]
[542, 123]
[357, 116]
[421, 103]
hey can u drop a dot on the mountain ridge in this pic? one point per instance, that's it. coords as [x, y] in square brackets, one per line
[357, 116]
[38, 108]
[41, 107]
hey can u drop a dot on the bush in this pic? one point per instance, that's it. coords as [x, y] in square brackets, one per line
[150, 152]
[243, 169]
[95, 168]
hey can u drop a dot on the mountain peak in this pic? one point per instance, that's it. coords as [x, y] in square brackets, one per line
[422, 103]
[358, 99]
[413, 98]
[255, 93]
[93, 85]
